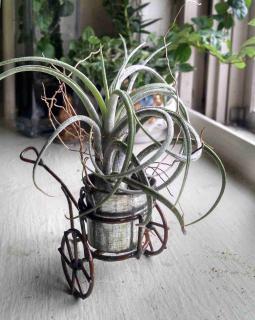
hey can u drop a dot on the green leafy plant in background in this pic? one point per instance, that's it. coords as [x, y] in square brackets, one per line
[128, 22]
[227, 9]
[88, 43]
[127, 19]
[114, 126]
[205, 33]
[47, 16]
[209, 34]
[46, 19]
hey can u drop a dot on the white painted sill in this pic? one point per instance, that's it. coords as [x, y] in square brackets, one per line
[236, 150]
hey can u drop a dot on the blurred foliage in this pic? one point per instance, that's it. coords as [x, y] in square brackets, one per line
[47, 16]
[128, 22]
[89, 42]
[127, 19]
[206, 33]
[46, 19]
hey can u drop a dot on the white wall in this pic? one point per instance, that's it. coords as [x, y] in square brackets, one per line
[86, 13]
[158, 9]
[92, 13]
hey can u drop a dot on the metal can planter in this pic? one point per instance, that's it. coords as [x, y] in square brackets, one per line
[112, 230]
[120, 236]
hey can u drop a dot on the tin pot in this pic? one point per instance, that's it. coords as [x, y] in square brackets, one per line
[116, 236]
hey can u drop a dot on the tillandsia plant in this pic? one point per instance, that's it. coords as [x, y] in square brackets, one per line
[113, 128]
[113, 52]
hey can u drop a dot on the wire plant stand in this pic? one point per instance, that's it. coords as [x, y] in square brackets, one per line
[77, 253]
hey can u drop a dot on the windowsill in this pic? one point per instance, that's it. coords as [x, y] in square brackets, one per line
[235, 147]
[212, 264]
[243, 133]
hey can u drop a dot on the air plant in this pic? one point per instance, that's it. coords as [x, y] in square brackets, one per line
[113, 127]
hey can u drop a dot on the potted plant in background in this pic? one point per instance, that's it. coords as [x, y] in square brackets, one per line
[119, 185]
[127, 21]
[39, 33]
[205, 33]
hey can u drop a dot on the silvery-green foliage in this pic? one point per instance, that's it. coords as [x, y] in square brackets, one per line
[113, 127]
